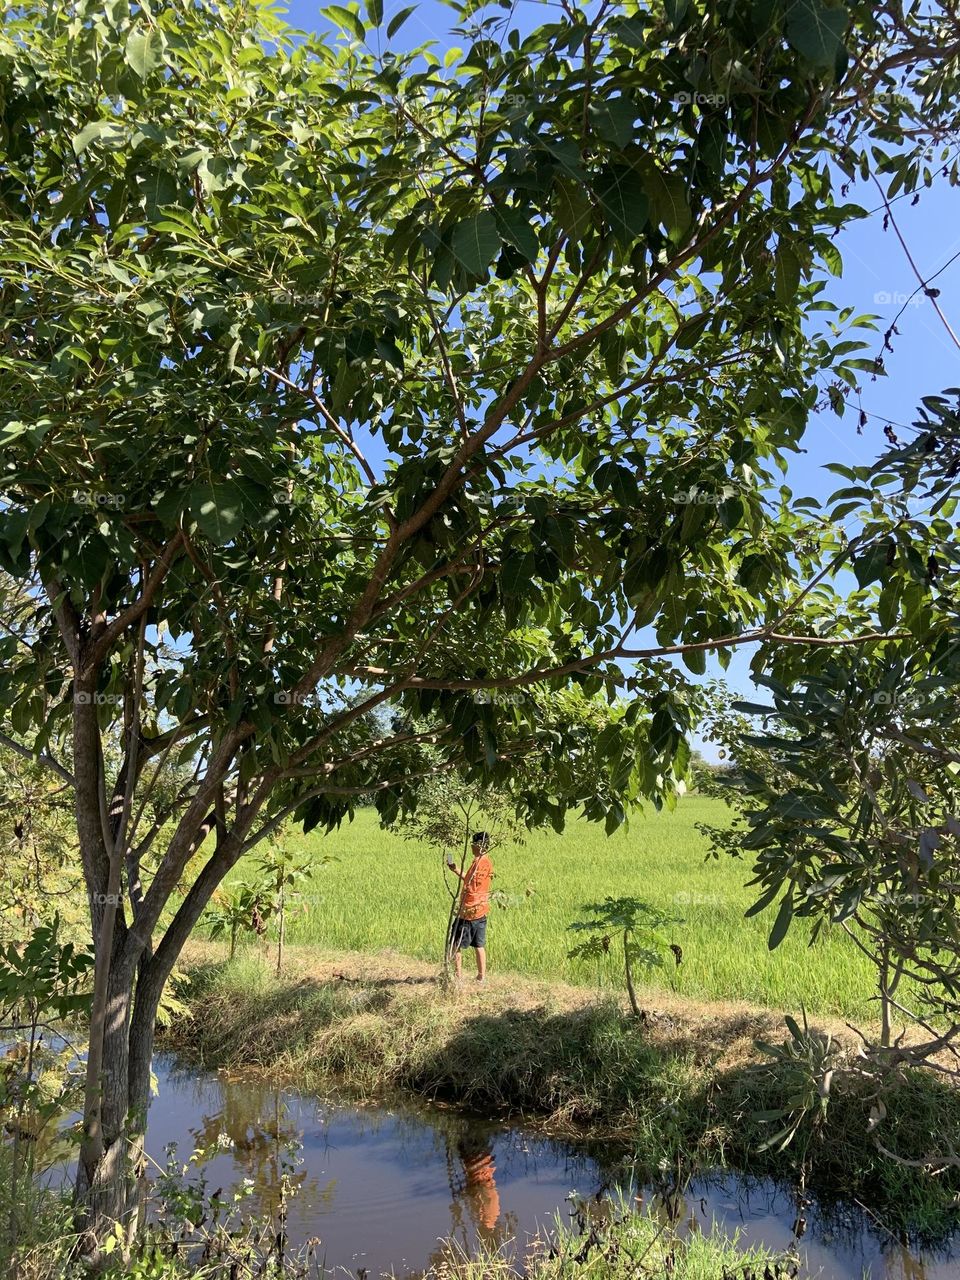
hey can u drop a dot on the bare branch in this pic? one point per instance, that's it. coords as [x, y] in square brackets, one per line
[38, 758]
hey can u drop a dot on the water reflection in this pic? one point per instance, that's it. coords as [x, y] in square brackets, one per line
[479, 1191]
[395, 1187]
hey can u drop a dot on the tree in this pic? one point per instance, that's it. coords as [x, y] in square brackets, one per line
[282, 870]
[447, 814]
[848, 779]
[640, 927]
[237, 910]
[371, 384]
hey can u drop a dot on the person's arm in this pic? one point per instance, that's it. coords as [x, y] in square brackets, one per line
[453, 867]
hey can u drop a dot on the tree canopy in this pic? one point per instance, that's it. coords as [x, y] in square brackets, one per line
[367, 417]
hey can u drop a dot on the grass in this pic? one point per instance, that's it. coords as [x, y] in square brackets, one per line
[387, 891]
[629, 1245]
[632, 1246]
[684, 1092]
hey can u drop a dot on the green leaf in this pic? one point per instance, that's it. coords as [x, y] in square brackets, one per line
[157, 188]
[398, 20]
[632, 31]
[621, 193]
[475, 242]
[345, 20]
[668, 201]
[793, 1027]
[144, 51]
[781, 924]
[816, 30]
[375, 12]
[695, 660]
[218, 509]
[517, 573]
[514, 229]
[751, 708]
[618, 480]
[762, 902]
[731, 513]
[676, 11]
[870, 566]
[214, 172]
[110, 132]
[787, 274]
[691, 331]
[613, 120]
[573, 209]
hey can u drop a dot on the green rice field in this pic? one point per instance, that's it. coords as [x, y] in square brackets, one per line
[386, 892]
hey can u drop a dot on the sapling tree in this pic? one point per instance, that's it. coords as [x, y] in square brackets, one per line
[282, 872]
[642, 930]
[335, 380]
[447, 813]
[236, 910]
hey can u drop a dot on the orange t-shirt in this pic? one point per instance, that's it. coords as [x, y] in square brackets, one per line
[476, 889]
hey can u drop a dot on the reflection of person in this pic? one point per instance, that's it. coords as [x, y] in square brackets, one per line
[470, 926]
[480, 1188]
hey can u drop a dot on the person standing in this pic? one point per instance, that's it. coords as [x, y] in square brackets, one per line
[470, 926]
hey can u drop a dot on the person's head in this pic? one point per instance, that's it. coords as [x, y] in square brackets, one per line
[481, 843]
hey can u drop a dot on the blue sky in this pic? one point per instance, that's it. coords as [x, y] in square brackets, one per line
[877, 279]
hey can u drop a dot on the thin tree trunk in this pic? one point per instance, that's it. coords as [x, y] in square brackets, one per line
[110, 1166]
[626, 960]
[884, 997]
[18, 1130]
[452, 914]
[280, 935]
[142, 1026]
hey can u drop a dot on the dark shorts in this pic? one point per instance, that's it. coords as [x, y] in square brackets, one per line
[469, 933]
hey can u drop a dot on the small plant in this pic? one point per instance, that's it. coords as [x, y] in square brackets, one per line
[44, 983]
[282, 872]
[804, 1067]
[640, 927]
[249, 907]
[242, 909]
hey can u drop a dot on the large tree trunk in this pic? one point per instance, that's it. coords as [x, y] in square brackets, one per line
[142, 1027]
[129, 976]
[99, 1194]
[101, 1191]
[110, 1189]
